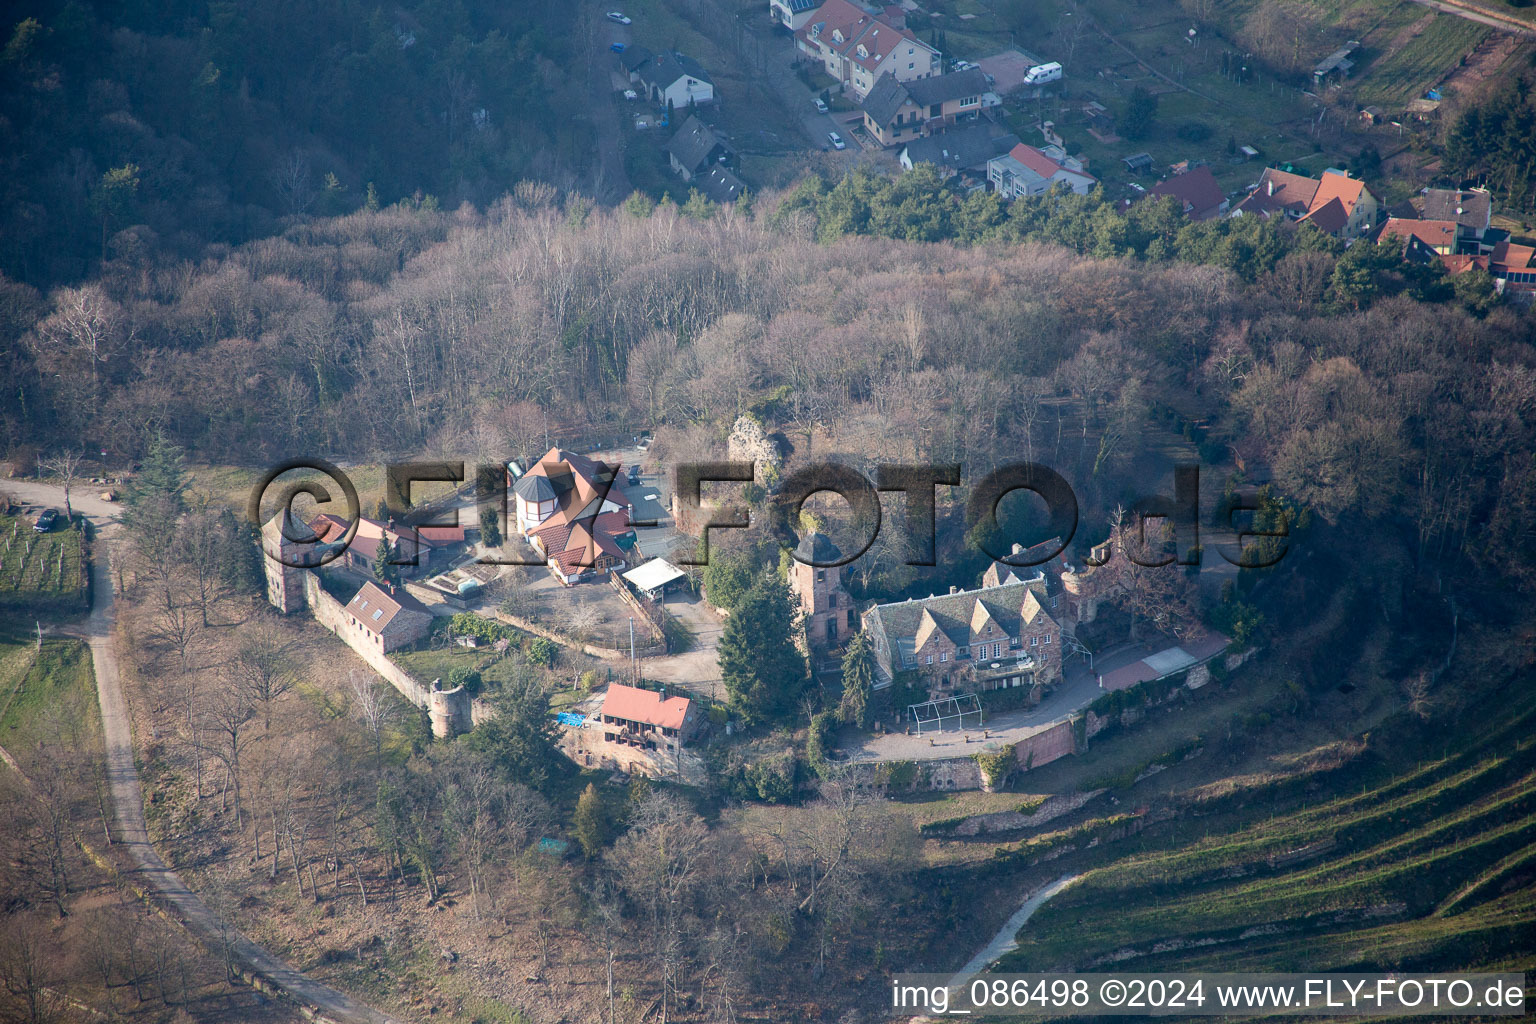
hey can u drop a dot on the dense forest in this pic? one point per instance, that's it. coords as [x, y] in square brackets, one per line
[1371, 390]
[136, 128]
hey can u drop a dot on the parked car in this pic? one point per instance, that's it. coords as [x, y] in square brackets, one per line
[634, 475]
[45, 520]
[616, 47]
[821, 106]
[836, 140]
[617, 18]
[630, 94]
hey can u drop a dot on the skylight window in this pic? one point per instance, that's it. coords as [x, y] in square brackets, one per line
[377, 614]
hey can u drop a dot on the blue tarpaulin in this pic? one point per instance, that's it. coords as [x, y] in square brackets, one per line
[571, 718]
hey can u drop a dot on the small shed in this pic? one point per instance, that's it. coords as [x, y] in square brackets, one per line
[1138, 162]
[1338, 61]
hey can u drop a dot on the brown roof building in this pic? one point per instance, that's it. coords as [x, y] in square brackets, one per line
[415, 549]
[1436, 235]
[647, 718]
[387, 617]
[574, 511]
[1197, 193]
[1335, 203]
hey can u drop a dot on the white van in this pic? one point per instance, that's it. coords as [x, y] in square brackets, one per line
[1042, 73]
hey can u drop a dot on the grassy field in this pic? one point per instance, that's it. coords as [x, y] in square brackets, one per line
[1416, 859]
[41, 572]
[231, 486]
[46, 696]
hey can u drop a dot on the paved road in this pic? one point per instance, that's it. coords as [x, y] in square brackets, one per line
[777, 55]
[150, 872]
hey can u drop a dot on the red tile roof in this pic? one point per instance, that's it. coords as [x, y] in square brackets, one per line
[1508, 256]
[1195, 190]
[365, 543]
[1280, 190]
[857, 27]
[1330, 216]
[632, 704]
[1436, 234]
[1336, 186]
[1456, 263]
[1035, 160]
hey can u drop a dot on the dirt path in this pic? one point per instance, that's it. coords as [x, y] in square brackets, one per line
[1477, 14]
[1007, 938]
[148, 870]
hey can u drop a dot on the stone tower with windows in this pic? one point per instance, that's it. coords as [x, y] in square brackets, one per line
[827, 612]
[285, 582]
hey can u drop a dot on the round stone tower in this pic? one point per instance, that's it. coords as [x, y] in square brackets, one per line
[448, 711]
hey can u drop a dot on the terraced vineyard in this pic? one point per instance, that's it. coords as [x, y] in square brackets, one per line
[43, 573]
[1402, 75]
[1405, 865]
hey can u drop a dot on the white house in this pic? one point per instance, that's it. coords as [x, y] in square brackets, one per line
[792, 14]
[675, 78]
[859, 48]
[1027, 171]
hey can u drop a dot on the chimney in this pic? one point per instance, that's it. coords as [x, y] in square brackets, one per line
[1018, 549]
[663, 691]
[954, 590]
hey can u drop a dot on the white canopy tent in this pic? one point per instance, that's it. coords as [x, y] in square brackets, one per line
[654, 575]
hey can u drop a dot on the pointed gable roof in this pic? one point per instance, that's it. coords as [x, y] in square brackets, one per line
[998, 574]
[1196, 191]
[1330, 217]
[376, 605]
[1280, 190]
[927, 626]
[981, 617]
[1332, 186]
[1031, 609]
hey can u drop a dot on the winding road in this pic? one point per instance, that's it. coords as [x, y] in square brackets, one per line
[149, 871]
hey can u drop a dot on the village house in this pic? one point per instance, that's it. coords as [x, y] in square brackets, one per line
[387, 617]
[1196, 192]
[673, 78]
[792, 14]
[696, 149]
[417, 551]
[1027, 171]
[647, 718]
[964, 151]
[1336, 204]
[826, 609]
[1471, 210]
[574, 512]
[1437, 237]
[858, 48]
[897, 111]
